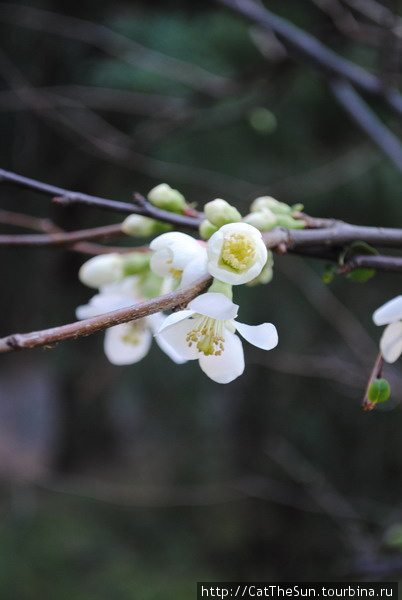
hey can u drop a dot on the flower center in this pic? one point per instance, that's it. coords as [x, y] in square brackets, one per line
[238, 251]
[134, 331]
[175, 273]
[208, 336]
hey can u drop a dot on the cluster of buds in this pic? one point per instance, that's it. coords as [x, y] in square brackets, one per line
[231, 251]
[267, 213]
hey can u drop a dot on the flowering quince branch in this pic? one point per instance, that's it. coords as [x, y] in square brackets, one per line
[133, 286]
[375, 374]
[46, 337]
[65, 197]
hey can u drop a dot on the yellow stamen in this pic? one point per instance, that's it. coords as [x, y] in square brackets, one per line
[134, 332]
[176, 274]
[238, 251]
[208, 336]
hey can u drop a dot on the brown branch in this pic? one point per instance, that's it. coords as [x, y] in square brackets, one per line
[47, 337]
[390, 264]
[368, 121]
[375, 374]
[308, 48]
[336, 233]
[67, 197]
[61, 238]
[46, 225]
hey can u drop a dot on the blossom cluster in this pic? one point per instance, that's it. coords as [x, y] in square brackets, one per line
[231, 250]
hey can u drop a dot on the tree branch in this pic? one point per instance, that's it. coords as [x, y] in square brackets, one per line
[66, 197]
[46, 337]
[368, 121]
[313, 51]
[61, 238]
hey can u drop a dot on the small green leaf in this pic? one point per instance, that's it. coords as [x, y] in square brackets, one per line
[358, 249]
[328, 273]
[361, 275]
[379, 391]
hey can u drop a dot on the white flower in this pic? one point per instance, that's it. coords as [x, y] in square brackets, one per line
[102, 270]
[130, 342]
[390, 314]
[206, 331]
[178, 256]
[236, 253]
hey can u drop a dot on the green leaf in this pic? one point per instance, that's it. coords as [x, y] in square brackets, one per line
[358, 249]
[361, 275]
[379, 391]
[328, 273]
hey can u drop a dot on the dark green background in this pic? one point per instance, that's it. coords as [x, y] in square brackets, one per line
[135, 482]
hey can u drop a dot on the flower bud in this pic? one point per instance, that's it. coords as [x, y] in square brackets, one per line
[219, 212]
[206, 229]
[102, 270]
[135, 262]
[139, 226]
[279, 208]
[290, 223]
[264, 219]
[165, 197]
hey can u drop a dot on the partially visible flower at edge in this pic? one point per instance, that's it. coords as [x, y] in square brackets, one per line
[206, 331]
[130, 342]
[390, 314]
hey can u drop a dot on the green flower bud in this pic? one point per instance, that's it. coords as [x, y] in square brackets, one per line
[279, 208]
[139, 226]
[290, 223]
[297, 208]
[221, 287]
[379, 391]
[135, 262]
[264, 219]
[206, 229]
[165, 197]
[219, 212]
[266, 274]
[150, 284]
[102, 270]
[262, 120]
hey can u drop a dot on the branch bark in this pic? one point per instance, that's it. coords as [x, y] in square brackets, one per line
[47, 337]
[66, 197]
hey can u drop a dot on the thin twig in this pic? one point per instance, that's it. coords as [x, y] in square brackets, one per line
[368, 121]
[67, 197]
[46, 337]
[307, 47]
[62, 238]
[375, 374]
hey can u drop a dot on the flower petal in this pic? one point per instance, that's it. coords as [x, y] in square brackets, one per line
[214, 305]
[195, 269]
[175, 336]
[391, 342]
[161, 262]
[175, 318]
[180, 248]
[389, 312]
[229, 365]
[169, 350]
[263, 336]
[121, 352]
